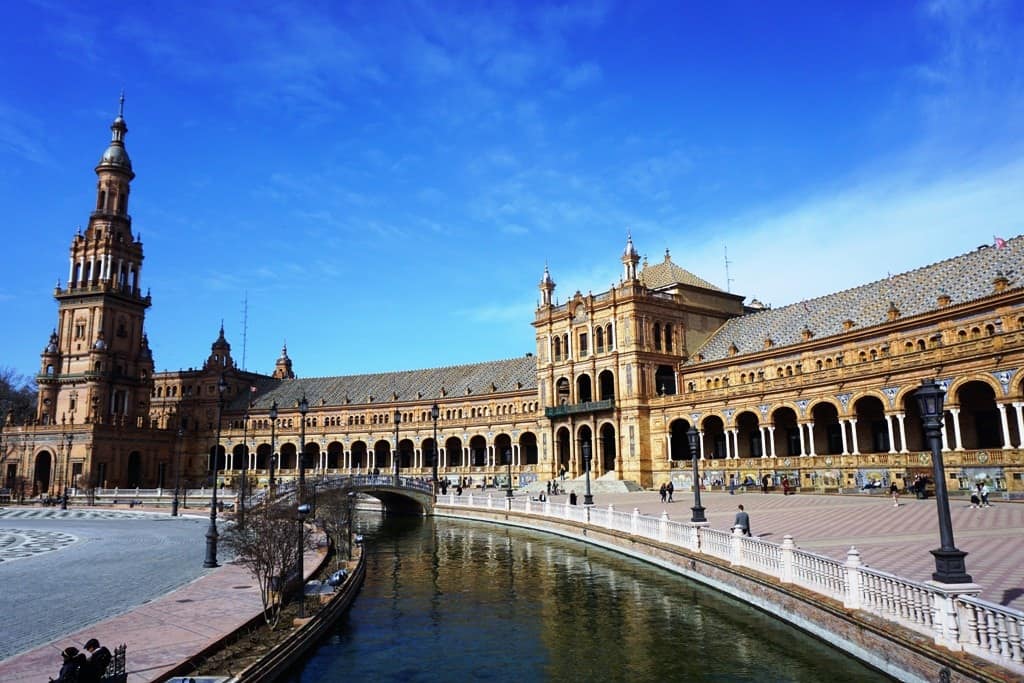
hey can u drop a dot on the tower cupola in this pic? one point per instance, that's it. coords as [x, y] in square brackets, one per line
[547, 287]
[630, 259]
[283, 366]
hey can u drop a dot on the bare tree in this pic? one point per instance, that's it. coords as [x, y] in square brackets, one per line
[17, 396]
[334, 516]
[268, 545]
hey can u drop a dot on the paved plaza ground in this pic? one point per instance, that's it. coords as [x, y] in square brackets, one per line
[170, 608]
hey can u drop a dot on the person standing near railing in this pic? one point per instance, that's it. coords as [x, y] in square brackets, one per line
[742, 521]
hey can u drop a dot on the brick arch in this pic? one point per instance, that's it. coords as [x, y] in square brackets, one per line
[815, 402]
[866, 393]
[952, 392]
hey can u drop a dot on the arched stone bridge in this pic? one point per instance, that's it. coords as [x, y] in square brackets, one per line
[402, 495]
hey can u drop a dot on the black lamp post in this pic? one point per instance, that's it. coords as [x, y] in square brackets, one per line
[211, 533]
[435, 412]
[508, 461]
[588, 499]
[177, 473]
[303, 409]
[67, 467]
[245, 469]
[303, 510]
[351, 502]
[949, 562]
[396, 465]
[273, 453]
[698, 510]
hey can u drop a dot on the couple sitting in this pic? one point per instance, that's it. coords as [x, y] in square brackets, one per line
[83, 667]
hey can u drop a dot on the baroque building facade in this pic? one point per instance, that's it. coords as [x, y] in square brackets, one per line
[819, 392]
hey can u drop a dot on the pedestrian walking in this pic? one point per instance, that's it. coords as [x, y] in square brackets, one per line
[732, 484]
[764, 483]
[984, 494]
[894, 491]
[670, 488]
[742, 521]
[664, 492]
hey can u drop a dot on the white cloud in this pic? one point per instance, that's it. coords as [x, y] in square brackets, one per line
[850, 237]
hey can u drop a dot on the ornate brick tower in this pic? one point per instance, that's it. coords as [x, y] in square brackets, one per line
[97, 366]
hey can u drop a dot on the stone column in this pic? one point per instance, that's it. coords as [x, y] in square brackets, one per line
[892, 439]
[1005, 424]
[800, 432]
[842, 435]
[853, 436]
[957, 440]
[810, 438]
[901, 418]
[700, 434]
[771, 438]
[728, 444]
[764, 452]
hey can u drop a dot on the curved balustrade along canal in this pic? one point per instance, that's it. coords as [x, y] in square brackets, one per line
[447, 600]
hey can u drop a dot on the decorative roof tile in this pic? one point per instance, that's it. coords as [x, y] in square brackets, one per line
[478, 379]
[954, 281]
[666, 274]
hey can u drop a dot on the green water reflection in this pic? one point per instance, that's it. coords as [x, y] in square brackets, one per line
[447, 601]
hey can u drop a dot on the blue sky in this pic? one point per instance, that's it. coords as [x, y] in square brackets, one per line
[384, 182]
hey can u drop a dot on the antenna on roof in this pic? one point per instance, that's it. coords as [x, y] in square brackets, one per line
[728, 279]
[245, 325]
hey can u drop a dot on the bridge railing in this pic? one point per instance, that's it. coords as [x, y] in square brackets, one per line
[955, 619]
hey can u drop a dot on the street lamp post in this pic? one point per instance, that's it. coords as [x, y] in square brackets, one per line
[698, 510]
[177, 473]
[508, 461]
[396, 465]
[245, 469]
[303, 409]
[949, 561]
[67, 467]
[351, 501]
[211, 533]
[588, 499]
[303, 510]
[273, 454]
[435, 412]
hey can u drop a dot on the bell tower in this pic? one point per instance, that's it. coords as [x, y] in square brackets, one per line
[97, 366]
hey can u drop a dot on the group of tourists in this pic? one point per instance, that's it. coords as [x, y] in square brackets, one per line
[666, 491]
[86, 666]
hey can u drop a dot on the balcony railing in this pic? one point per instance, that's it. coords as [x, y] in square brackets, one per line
[576, 408]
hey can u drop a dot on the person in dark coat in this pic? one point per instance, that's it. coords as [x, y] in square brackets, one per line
[72, 661]
[95, 666]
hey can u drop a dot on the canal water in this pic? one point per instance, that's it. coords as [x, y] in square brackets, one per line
[446, 600]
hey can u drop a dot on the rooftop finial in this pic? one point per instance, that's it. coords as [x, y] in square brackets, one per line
[120, 109]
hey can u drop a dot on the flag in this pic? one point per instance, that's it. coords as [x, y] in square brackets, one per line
[1000, 242]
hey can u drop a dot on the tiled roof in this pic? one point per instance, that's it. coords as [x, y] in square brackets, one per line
[666, 274]
[515, 374]
[963, 278]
